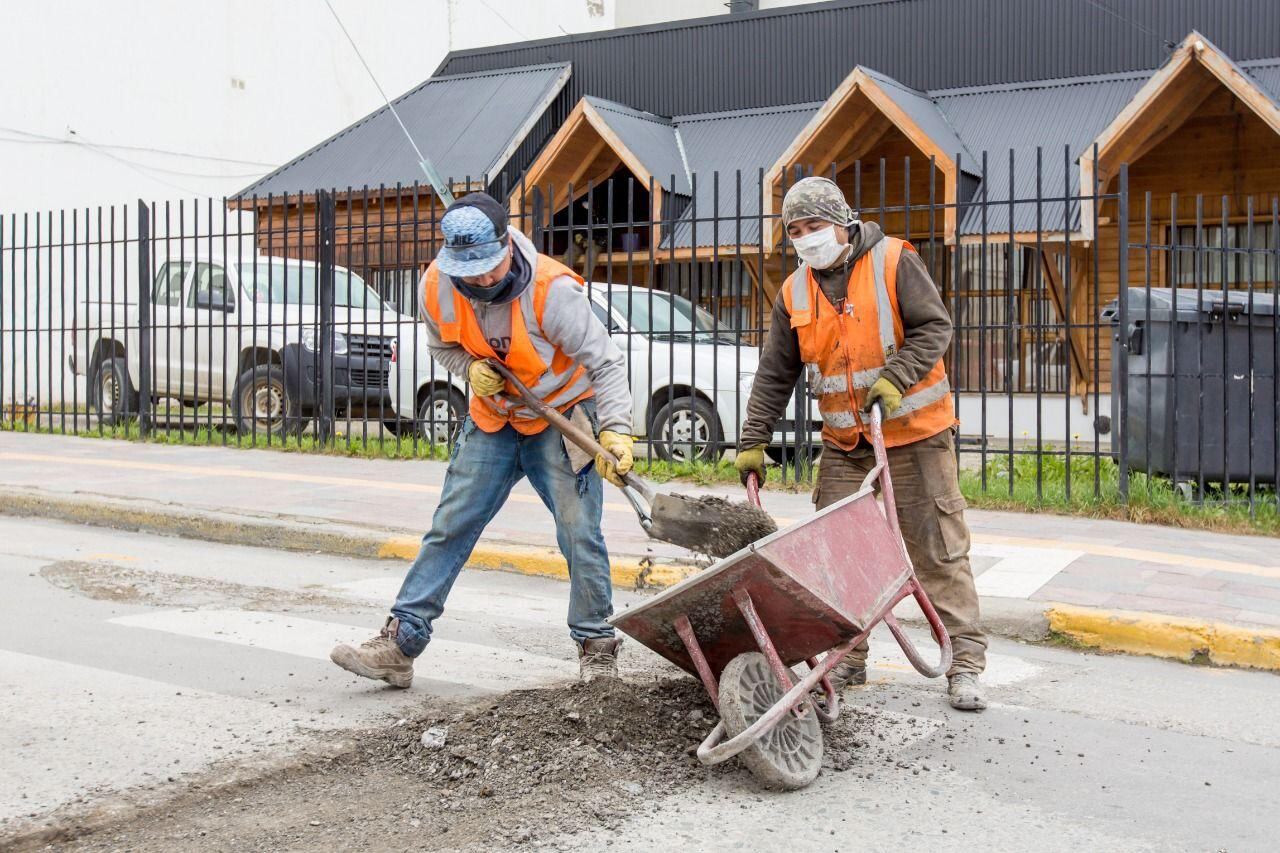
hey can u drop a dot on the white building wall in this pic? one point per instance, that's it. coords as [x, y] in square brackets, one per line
[112, 101]
[107, 102]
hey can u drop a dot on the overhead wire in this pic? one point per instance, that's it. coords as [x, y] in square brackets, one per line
[442, 190]
[1167, 43]
[33, 138]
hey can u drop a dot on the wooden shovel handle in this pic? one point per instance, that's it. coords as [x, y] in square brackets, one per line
[548, 413]
[567, 428]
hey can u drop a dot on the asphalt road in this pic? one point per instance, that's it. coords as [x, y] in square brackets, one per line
[131, 660]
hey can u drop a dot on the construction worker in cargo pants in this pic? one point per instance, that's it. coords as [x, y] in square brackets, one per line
[863, 314]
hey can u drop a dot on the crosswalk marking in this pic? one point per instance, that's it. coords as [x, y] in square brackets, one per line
[517, 606]
[885, 654]
[486, 667]
[1001, 669]
[1021, 569]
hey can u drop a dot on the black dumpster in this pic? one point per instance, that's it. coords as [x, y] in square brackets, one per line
[1201, 381]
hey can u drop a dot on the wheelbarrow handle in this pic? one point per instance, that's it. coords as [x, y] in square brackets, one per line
[753, 490]
[940, 635]
[881, 470]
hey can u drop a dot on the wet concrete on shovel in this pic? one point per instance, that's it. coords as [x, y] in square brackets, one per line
[740, 524]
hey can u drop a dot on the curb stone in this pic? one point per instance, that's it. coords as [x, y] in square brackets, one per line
[1161, 635]
[315, 536]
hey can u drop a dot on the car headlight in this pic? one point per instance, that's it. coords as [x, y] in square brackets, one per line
[309, 341]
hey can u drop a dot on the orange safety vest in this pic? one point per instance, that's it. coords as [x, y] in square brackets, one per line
[846, 350]
[541, 365]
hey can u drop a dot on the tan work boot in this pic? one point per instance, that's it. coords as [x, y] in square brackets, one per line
[598, 659]
[379, 657]
[965, 692]
[848, 673]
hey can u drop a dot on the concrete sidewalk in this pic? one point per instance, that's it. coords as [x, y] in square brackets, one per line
[1130, 587]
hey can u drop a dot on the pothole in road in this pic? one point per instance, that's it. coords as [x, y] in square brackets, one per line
[533, 766]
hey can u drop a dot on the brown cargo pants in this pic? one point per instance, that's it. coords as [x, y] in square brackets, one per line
[931, 515]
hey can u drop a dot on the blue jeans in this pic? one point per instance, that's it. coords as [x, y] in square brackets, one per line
[482, 471]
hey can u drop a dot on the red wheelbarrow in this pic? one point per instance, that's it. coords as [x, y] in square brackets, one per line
[817, 586]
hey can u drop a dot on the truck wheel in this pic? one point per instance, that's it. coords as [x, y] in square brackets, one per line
[261, 403]
[687, 430]
[440, 416]
[114, 399]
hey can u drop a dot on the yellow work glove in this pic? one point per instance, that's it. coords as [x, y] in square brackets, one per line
[484, 380]
[620, 446]
[750, 461]
[888, 395]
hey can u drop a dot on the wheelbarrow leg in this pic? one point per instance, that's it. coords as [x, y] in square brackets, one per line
[939, 630]
[829, 711]
[747, 607]
[685, 630]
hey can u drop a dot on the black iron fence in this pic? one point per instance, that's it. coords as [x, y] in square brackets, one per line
[1100, 333]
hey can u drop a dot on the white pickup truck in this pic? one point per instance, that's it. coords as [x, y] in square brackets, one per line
[241, 332]
[690, 377]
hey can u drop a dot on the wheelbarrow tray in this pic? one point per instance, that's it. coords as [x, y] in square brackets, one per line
[814, 584]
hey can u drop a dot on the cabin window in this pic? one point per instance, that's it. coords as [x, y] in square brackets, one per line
[1210, 256]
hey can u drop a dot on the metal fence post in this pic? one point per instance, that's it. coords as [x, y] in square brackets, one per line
[325, 255]
[1121, 429]
[144, 319]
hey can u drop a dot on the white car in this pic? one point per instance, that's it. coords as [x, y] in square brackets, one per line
[239, 331]
[690, 377]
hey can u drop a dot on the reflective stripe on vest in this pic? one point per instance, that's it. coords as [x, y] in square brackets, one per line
[841, 390]
[884, 308]
[551, 375]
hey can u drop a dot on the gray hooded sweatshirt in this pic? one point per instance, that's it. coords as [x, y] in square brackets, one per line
[568, 322]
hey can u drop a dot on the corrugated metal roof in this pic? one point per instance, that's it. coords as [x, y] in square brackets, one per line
[797, 54]
[1012, 121]
[925, 113]
[652, 139]
[727, 154]
[1266, 72]
[467, 124]
[1009, 124]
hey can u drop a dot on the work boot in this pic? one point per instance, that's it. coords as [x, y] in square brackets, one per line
[598, 658]
[378, 657]
[966, 692]
[848, 673]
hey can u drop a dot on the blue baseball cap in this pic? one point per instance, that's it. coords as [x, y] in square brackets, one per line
[475, 236]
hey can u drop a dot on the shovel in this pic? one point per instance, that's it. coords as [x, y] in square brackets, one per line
[711, 526]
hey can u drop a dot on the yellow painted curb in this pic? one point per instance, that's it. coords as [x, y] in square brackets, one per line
[547, 563]
[1169, 636]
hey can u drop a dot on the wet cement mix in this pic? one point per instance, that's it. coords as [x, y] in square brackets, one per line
[738, 525]
[529, 768]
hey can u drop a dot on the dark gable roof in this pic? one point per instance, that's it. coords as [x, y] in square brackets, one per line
[1009, 123]
[652, 139]
[795, 54]
[469, 125]
[1012, 121]
[1064, 117]
[728, 153]
[922, 110]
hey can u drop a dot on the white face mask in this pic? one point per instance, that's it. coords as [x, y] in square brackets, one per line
[819, 249]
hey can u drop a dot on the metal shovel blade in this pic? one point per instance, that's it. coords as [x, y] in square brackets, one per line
[708, 525]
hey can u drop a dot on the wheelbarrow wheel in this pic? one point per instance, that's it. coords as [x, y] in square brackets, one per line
[789, 756]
